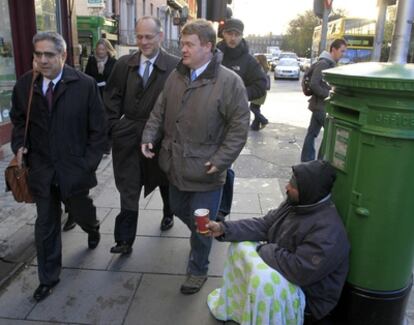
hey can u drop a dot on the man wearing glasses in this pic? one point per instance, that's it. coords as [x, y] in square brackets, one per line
[65, 144]
[130, 94]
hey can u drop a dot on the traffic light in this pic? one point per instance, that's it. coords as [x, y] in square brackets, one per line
[216, 10]
[318, 8]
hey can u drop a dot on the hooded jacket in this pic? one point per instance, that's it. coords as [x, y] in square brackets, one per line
[320, 88]
[307, 242]
[245, 65]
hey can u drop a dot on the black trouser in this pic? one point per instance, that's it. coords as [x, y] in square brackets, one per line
[127, 220]
[258, 116]
[48, 234]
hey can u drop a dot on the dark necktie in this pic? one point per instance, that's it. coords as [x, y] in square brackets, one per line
[145, 77]
[49, 96]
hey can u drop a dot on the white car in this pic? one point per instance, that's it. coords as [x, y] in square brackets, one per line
[287, 68]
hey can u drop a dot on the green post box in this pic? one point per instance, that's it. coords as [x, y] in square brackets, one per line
[370, 140]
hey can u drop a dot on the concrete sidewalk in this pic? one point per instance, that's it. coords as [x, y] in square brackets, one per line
[100, 288]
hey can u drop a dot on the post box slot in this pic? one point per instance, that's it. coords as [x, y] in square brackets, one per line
[345, 113]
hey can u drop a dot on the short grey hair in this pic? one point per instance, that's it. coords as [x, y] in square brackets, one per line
[53, 37]
[156, 21]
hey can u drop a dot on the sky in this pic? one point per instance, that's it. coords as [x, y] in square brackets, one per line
[265, 16]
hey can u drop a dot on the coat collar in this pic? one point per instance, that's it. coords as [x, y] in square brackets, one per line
[210, 72]
[69, 74]
[160, 62]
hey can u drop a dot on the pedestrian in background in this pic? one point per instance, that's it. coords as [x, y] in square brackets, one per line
[130, 95]
[259, 121]
[202, 121]
[100, 64]
[320, 91]
[236, 57]
[99, 67]
[64, 147]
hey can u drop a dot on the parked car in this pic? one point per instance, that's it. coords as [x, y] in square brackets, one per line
[289, 55]
[287, 68]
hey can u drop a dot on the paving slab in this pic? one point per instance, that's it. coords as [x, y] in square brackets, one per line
[9, 321]
[76, 254]
[88, 297]
[246, 203]
[158, 301]
[256, 185]
[270, 201]
[154, 255]
[16, 298]
[239, 216]
[166, 256]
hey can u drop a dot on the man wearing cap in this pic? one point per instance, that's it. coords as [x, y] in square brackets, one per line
[305, 244]
[236, 57]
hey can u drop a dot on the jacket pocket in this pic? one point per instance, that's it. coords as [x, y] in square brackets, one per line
[195, 156]
[123, 128]
[164, 157]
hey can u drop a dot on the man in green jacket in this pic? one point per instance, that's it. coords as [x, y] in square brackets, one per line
[202, 118]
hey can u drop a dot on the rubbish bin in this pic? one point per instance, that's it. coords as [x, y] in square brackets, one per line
[369, 138]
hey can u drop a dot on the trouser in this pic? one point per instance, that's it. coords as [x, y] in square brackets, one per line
[227, 197]
[316, 123]
[183, 205]
[47, 229]
[258, 116]
[126, 221]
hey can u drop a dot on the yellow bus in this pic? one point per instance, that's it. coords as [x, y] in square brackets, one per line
[359, 33]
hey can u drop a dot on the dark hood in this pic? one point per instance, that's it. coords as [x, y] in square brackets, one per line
[315, 180]
[238, 51]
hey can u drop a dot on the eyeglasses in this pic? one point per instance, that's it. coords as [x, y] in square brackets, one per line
[48, 55]
[148, 37]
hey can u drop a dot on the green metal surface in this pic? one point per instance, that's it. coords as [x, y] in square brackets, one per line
[370, 140]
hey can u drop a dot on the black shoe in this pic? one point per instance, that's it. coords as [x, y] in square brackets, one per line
[263, 124]
[69, 224]
[93, 238]
[122, 248]
[167, 222]
[43, 291]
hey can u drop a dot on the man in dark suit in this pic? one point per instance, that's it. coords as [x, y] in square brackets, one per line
[129, 97]
[64, 147]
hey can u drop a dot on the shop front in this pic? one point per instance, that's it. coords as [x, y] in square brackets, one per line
[21, 19]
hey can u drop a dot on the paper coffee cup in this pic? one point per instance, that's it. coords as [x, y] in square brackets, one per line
[202, 219]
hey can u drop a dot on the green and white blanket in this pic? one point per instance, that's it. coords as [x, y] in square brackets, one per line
[254, 293]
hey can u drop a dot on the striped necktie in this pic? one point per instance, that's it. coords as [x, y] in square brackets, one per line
[49, 96]
[146, 74]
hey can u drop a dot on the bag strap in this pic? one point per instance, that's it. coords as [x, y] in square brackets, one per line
[29, 106]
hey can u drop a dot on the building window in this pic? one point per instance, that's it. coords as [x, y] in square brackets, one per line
[7, 69]
[152, 9]
[158, 12]
[46, 15]
[143, 7]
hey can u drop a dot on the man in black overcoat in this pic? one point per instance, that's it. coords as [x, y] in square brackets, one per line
[66, 140]
[129, 97]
